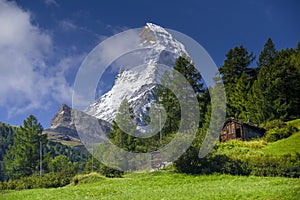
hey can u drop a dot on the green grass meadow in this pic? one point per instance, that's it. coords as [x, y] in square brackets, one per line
[284, 146]
[168, 185]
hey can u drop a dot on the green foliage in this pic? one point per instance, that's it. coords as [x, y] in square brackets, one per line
[63, 165]
[123, 136]
[53, 149]
[288, 145]
[110, 172]
[50, 151]
[267, 56]
[237, 76]
[92, 165]
[238, 159]
[50, 180]
[256, 157]
[295, 123]
[190, 73]
[22, 158]
[267, 92]
[87, 178]
[277, 86]
[278, 133]
[274, 124]
[7, 134]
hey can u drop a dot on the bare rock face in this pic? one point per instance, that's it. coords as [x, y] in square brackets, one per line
[62, 122]
[63, 116]
[63, 128]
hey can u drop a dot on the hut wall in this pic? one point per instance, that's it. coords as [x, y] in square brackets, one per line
[249, 133]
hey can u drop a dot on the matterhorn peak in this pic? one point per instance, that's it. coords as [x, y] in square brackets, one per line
[137, 83]
[156, 29]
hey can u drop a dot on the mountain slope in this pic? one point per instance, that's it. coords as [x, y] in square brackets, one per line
[63, 128]
[137, 83]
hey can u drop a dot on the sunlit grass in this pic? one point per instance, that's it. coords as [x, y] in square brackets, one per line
[169, 185]
[288, 145]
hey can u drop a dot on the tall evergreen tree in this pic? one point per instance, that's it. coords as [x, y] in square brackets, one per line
[275, 93]
[259, 97]
[22, 158]
[239, 98]
[237, 63]
[7, 134]
[267, 56]
[164, 96]
[188, 71]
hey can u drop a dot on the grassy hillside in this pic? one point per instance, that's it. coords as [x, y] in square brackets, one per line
[168, 185]
[64, 139]
[288, 145]
[295, 123]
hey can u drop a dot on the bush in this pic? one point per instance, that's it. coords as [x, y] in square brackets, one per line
[50, 180]
[238, 163]
[277, 133]
[8, 185]
[110, 172]
[86, 178]
[286, 165]
[273, 124]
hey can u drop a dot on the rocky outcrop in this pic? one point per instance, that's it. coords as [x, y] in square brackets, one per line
[63, 128]
[62, 122]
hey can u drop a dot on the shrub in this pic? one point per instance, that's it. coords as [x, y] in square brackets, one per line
[110, 172]
[273, 124]
[258, 164]
[86, 178]
[277, 133]
[50, 180]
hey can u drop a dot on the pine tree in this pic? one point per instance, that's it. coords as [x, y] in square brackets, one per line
[267, 56]
[238, 98]
[173, 82]
[237, 62]
[190, 73]
[166, 98]
[7, 134]
[275, 93]
[22, 158]
[123, 127]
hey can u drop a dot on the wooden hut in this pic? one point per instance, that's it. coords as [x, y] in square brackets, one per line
[234, 129]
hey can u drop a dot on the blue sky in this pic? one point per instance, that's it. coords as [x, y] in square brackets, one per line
[43, 42]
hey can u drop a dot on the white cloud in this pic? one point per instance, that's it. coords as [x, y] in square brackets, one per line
[51, 3]
[27, 82]
[68, 25]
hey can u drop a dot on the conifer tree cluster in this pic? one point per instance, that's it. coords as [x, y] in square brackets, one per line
[266, 91]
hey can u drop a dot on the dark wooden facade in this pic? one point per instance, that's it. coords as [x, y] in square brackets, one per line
[234, 129]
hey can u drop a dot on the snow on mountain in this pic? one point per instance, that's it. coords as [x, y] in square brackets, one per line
[137, 83]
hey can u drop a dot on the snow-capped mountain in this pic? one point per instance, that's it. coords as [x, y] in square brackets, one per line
[137, 83]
